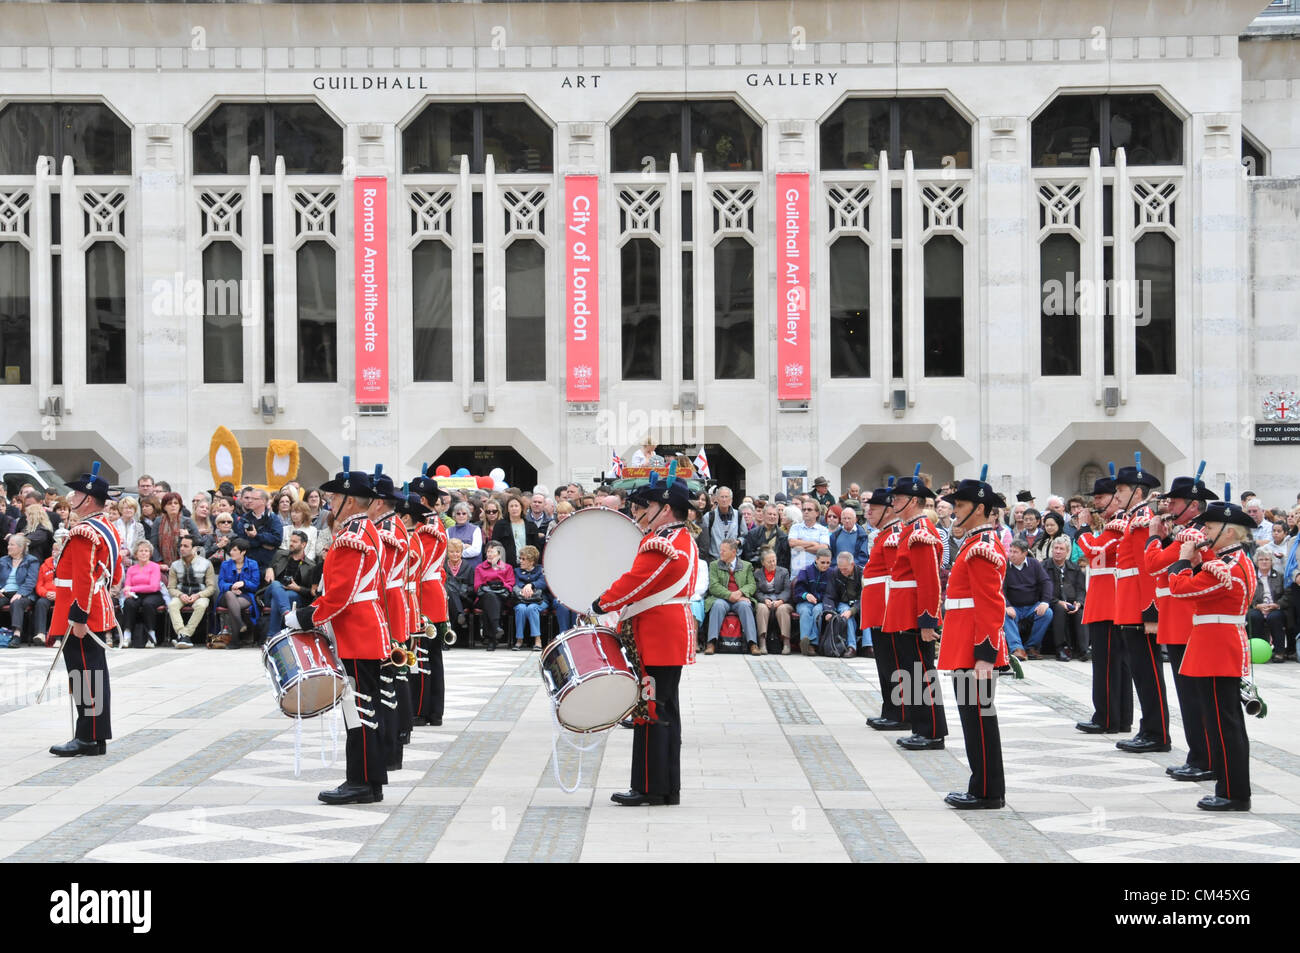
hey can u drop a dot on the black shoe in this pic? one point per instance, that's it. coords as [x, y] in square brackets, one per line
[1083, 657]
[636, 799]
[1089, 728]
[1213, 803]
[394, 764]
[404, 738]
[867, 651]
[627, 723]
[349, 794]
[377, 791]
[420, 721]
[435, 722]
[1188, 772]
[969, 802]
[1063, 656]
[70, 749]
[491, 643]
[885, 724]
[915, 742]
[1140, 745]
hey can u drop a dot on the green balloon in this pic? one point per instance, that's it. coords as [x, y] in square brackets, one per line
[1260, 651]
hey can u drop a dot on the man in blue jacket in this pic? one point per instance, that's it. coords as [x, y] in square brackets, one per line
[1028, 592]
[809, 591]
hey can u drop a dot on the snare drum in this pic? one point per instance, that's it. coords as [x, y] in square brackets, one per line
[304, 671]
[589, 679]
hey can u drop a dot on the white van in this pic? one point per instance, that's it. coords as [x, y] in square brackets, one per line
[17, 468]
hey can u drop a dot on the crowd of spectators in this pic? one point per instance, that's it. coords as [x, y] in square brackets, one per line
[786, 566]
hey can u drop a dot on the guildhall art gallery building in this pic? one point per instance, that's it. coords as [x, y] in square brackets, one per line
[819, 237]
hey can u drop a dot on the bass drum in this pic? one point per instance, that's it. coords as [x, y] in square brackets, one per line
[588, 551]
[589, 679]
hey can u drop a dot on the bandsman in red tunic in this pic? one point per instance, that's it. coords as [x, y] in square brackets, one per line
[1135, 594]
[875, 590]
[656, 594]
[1112, 686]
[429, 545]
[89, 566]
[974, 645]
[1171, 528]
[912, 613]
[351, 605]
[395, 719]
[1220, 586]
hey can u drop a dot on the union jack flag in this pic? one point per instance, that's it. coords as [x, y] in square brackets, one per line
[616, 465]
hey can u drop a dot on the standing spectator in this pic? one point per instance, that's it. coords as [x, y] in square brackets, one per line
[809, 591]
[1032, 521]
[1263, 531]
[851, 538]
[1017, 523]
[842, 597]
[260, 528]
[768, 534]
[731, 591]
[237, 585]
[822, 492]
[315, 502]
[1027, 590]
[772, 595]
[1078, 517]
[61, 514]
[141, 596]
[493, 580]
[1268, 606]
[853, 495]
[537, 515]
[718, 524]
[19, 572]
[1277, 547]
[748, 519]
[144, 487]
[514, 532]
[149, 510]
[291, 574]
[490, 517]
[39, 531]
[168, 528]
[470, 536]
[807, 539]
[530, 598]
[1053, 528]
[300, 521]
[646, 456]
[45, 589]
[201, 513]
[192, 582]
[832, 519]
[1066, 598]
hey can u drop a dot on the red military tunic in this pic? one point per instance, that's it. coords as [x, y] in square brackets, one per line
[90, 564]
[397, 548]
[430, 577]
[876, 574]
[1135, 588]
[351, 592]
[1099, 548]
[1175, 614]
[974, 608]
[913, 599]
[1220, 591]
[656, 592]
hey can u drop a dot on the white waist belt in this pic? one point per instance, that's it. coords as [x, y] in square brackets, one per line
[370, 596]
[410, 587]
[1124, 573]
[1102, 571]
[432, 575]
[1226, 619]
[959, 603]
[875, 580]
[1162, 593]
[394, 585]
[67, 584]
[904, 584]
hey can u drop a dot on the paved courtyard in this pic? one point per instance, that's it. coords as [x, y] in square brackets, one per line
[776, 765]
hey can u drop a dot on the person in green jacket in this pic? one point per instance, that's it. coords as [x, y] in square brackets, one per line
[731, 589]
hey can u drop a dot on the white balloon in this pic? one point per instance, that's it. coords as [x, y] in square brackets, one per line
[498, 483]
[497, 474]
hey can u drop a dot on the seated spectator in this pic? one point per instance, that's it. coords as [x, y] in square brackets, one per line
[142, 597]
[129, 528]
[809, 593]
[19, 572]
[772, 596]
[201, 513]
[39, 530]
[45, 590]
[494, 578]
[731, 591]
[223, 532]
[471, 536]
[807, 538]
[1278, 547]
[299, 518]
[460, 586]
[843, 597]
[768, 535]
[237, 585]
[168, 528]
[1027, 590]
[851, 538]
[514, 532]
[1066, 598]
[290, 575]
[697, 600]
[192, 582]
[530, 598]
[1265, 619]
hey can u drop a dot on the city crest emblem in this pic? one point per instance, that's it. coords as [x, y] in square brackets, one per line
[1282, 406]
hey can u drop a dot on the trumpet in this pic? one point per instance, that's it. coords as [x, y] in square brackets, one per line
[431, 632]
[401, 657]
[1250, 699]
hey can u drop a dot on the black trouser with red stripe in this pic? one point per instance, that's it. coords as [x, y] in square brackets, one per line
[1225, 724]
[365, 748]
[1112, 687]
[428, 689]
[1148, 670]
[657, 747]
[1189, 704]
[886, 665]
[405, 716]
[88, 685]
[979, 723]
[922, 701]
[388, 715]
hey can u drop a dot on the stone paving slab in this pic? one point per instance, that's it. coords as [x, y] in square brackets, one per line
[72, 770]
[551, 835]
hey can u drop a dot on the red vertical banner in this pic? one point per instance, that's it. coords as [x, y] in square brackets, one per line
[581, 289]
[370, 239]
[793, 276]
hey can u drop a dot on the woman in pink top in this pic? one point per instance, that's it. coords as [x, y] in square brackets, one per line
[141, 595]
[493, 579]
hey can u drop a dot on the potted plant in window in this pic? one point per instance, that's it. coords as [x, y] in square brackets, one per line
[722, 152]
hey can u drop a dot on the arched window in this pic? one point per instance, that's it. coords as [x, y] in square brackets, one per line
[719, 129]
[517, 138]
[303, 133]
[1066, 132]
[855, 135]
[98, 142]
